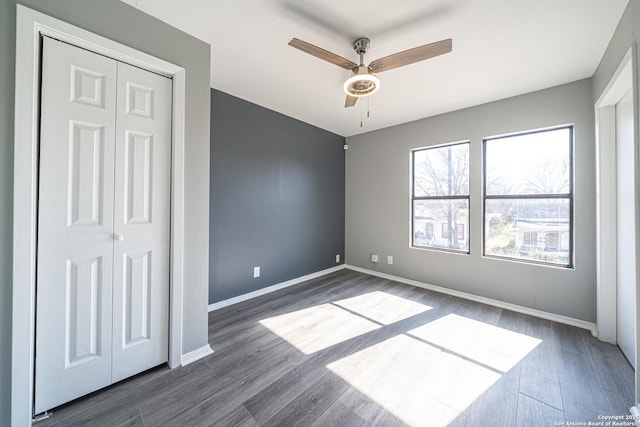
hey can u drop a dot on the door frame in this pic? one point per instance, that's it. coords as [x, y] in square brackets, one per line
[623, 80]
[30, 26]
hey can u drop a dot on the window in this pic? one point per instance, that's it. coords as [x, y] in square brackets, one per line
[445, 230]
[529, 237]
[459, 229]
[440, 197]
[429, 232]
[528, 196]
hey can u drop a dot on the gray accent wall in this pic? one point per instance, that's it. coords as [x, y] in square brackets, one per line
[378, 203]
[122, 23]
[277, 197]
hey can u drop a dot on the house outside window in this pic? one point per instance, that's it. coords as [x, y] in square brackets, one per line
[528, 196]
[440, 197]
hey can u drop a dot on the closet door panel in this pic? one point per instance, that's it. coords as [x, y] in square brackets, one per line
[75, 224]
[141, 221]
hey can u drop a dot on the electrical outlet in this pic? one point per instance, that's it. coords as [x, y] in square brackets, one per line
[256, 272]
[374, 257]
[338, 258]
[389, 259]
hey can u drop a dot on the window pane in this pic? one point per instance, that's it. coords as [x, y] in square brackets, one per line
[529, 229]
[432, 220]
[442, 171]
[534, 163]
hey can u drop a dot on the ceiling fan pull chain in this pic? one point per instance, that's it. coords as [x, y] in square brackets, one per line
[361, 113]
[368, 106]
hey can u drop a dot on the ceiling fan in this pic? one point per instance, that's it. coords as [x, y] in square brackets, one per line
[363, 80]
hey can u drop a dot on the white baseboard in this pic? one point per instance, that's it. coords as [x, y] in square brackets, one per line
[225, 303]
[489, 301]
[196, 354]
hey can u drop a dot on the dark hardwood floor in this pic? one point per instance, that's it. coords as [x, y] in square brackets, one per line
[349, 349]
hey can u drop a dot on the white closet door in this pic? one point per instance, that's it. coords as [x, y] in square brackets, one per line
[141, 222]
[75, 222]
[103, 223]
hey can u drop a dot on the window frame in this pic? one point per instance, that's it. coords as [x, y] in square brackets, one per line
[564, 196]
[415, 198]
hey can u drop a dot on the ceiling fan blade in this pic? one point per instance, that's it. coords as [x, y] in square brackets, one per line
[350, 101]
[322, 54]
[410, 56]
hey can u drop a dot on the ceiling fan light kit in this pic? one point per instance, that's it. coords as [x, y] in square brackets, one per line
[361, 83]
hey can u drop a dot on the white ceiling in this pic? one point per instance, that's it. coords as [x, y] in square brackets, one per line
[501, 48]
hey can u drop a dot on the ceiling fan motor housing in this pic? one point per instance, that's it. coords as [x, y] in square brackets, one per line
[361, 45]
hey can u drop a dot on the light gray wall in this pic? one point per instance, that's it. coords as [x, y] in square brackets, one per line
[378, 203]
[115, 20]
[627, 33]
[277, 197]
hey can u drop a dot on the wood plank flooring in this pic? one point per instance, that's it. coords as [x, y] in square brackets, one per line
[349, 349]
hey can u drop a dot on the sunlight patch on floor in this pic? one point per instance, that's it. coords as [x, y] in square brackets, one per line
[428, 375]
[319, 327]
[486, 344]
[382, 307]
[417, 383]
[322, 326]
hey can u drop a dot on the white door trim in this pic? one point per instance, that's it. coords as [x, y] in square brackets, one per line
[30, 25]
[623, 80]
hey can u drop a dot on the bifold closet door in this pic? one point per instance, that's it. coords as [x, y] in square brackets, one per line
[103, 223]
